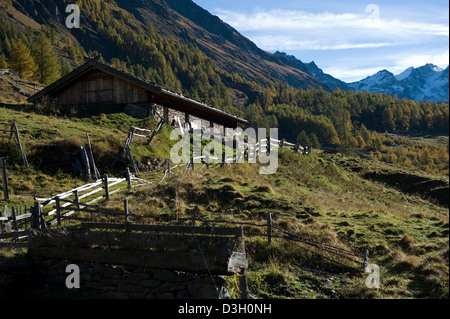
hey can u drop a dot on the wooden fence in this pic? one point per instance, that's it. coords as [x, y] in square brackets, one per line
[15, 222]
[63, 209]
[171, 247]
[138, 132]
[18, 224]
[10, 130]
[333, 254]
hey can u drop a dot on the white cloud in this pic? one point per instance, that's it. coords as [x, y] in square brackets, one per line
[361, 43]
[280, 19]
[333, 31]
[349, 73]
[272, 42]
[418, 59]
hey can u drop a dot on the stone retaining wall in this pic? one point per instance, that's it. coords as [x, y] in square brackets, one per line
[110, 282]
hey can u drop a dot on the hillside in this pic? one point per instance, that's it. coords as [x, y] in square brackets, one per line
[342, 201]
[16, 90]
[182, 21]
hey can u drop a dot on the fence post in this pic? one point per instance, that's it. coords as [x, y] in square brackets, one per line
[269, 227]
[223, 152]
[58, 211]
[243, 285]
[91, 158]
[106, 187]
[39, 217]
[14, 220]
[4, 179]
[128, 178]
[366, 259]
[16, 136]
[77, 198]
[8, 226]
[223, 159]
[34, 218]
[125, 208]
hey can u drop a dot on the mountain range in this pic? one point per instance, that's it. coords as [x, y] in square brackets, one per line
[188, 23]
[426, 83]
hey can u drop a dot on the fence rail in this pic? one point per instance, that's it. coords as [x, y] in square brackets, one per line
[16, 222]
[334, 254]
[360, 259]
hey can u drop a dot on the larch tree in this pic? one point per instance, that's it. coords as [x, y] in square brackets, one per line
[3, 63]
[48, 66]
[21, 60]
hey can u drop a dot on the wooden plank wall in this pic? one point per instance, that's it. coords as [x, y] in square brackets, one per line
[100, 87]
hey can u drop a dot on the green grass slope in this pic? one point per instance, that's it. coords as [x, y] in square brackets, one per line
[335, 200]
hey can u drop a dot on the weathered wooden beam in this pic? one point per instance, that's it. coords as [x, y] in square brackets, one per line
[166, 242]
[192, 261]
[91, 158]
[4, 179]
[58, 211]
[16, 136]
[224, 231]
[125, 210]
[14, 234]
[14, 220]
[8, 226]
[128, 177]
[85, 160]
[105, 180]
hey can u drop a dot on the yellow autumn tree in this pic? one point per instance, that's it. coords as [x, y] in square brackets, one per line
[360, 141]
[48, 66]
[21, 60]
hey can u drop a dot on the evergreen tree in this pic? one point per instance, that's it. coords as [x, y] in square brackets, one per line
[3, 63]
[314, 141]
[365, 134]
[21, 60]
[360, 140]
[65, 67]
[388, 119]
[303, 138]
[49, 68]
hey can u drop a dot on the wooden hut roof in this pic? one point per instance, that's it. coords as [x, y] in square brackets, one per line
[162, 96]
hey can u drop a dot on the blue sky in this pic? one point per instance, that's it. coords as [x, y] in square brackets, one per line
[347, 39]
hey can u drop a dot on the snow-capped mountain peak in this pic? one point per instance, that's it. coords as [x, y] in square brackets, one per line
[382, 82]
[435, 68]
[404, 74]
[426, 83]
